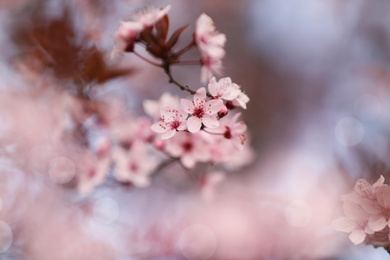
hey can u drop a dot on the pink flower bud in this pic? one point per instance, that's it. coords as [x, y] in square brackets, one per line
[230, 105]
[223, 112]
[158, 143]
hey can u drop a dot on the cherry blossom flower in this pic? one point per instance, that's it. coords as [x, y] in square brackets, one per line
[211, 46]
[172, 120]
[91, 171]
[224, 89]
[125, 37]
[209, 41]
[354, 222]
[379, 208]
[241, 100]
[127, 34]
[202, 111]
[134, 166]
[190, 148]
[232, 130]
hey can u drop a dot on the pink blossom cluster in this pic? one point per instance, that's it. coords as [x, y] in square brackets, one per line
[98, 143]
[149, 28]
[367, 213]
[198, 130]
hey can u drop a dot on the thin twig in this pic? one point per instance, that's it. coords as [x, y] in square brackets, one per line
[167, 71]
[172, 80]
[185, 49]
[187, 62]
[147, 60]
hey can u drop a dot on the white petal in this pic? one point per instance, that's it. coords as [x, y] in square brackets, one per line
[210, 121]
[369, 206]
[214, 106]
[187, 106]
[377, 222]
[182, 126]
[205, 74]
[193, 124]
[379, 182]
[343, 224]
[357, 236]
[166, 111]
[160, 127]
[168, 134]
[213, 87]
[200, 97]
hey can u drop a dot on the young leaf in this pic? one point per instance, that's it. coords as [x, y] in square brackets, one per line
[175, 37]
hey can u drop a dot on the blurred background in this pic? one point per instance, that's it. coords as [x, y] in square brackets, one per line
[317, 73]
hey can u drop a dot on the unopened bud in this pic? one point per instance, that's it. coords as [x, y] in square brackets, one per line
[158, 143]
[230, 105]
[223, 112]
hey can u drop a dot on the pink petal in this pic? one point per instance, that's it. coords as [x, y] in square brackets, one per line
[379, 182]
[206, 73]
[188, 161]
[160, 127]
[200, 97]
[168, 134]
[182, 126]
[342, 224]
[210, 121]
[377, 222]
[183, 114]
[363, 187]
[369, 206]
[214, 106]
[193, 124]
[166, 111]
[357, 236]
[213, 87]
[187, 106]
[383, 196]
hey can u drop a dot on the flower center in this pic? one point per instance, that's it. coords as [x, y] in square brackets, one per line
[133, 167]
[187, 146]
[228, 133]
[198, 112]
[175, 124]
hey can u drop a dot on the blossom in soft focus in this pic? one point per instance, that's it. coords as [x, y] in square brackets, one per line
[232, 130]
[172, 120]
[125, 37]
[91, 171]
[354, 222]
[241, 100]
[202, 111]
[134, 166]
[367, 212]
[211, 46]
[190, 148]
[224, 89]
[127, 34]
